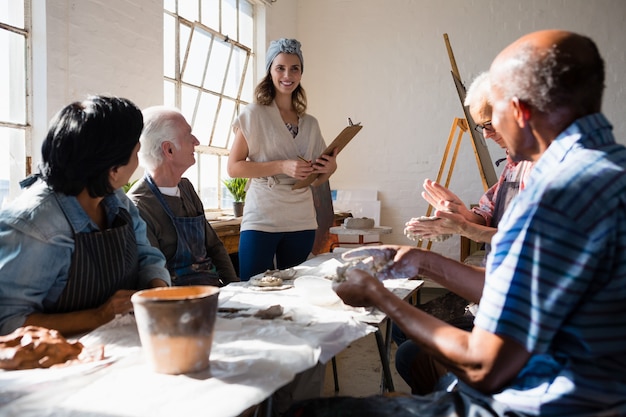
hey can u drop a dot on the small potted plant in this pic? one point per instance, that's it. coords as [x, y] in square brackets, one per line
[237, 188]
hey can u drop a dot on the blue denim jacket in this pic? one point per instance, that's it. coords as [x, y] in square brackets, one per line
[36, 246]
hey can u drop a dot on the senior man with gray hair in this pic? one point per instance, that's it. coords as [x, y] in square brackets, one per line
[548, 338]
[171, 207]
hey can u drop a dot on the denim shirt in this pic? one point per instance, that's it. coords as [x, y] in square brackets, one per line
[37, 243]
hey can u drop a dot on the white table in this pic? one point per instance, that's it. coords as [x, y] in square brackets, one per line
[405, 289]
[250, 359]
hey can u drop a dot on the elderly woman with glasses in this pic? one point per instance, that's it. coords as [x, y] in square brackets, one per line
[480, 223]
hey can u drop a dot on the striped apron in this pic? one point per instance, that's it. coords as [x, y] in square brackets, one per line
[102, 263]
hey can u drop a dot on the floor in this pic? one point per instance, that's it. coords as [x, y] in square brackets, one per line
[359, 369]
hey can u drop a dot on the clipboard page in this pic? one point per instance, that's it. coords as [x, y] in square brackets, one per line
[340, 142]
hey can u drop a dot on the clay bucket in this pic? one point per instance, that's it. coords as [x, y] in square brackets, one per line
[176, 326]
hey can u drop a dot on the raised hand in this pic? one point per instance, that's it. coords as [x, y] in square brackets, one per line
[444, 200]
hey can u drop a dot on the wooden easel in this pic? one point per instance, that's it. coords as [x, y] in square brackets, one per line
[481, 152]
[459, 127]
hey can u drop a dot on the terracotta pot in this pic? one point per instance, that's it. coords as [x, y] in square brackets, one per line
[176, 326]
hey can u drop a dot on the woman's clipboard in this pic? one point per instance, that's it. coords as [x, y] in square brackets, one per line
[342, 139]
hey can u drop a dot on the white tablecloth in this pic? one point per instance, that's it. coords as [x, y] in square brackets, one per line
[250, 359]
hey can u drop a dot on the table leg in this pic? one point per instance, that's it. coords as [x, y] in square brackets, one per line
[383, 351]
[335, 376]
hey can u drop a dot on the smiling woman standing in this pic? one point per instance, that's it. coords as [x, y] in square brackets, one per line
[276, 143]
[73, 248]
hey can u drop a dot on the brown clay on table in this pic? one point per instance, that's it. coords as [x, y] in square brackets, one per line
[270, 312]
[36, 347]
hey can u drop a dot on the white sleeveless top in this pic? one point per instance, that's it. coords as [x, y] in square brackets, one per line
[271, 204]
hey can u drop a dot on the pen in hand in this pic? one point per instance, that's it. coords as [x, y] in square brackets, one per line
[304, 159]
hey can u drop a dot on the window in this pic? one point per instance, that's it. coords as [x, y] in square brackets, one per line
[208, 75]
[14, 94]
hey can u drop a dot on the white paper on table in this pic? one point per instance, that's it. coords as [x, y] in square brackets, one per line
[327, 269]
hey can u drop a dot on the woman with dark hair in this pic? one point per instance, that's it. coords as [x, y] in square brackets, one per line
[73, 247]
[276, 143]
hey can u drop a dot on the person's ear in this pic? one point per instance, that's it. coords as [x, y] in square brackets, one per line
[166, 148]
[521, 112]
[113, 174]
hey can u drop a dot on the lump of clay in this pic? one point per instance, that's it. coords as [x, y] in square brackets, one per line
[36, 347]
[267, 281]
[417, 237]
[358, 223]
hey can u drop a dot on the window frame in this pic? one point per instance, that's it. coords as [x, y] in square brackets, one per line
[210, 146]
[21, 152]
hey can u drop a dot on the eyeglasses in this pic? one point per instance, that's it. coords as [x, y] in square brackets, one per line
[485, 126]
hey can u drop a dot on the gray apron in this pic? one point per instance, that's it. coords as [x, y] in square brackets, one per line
[102, 263]
[190, 265]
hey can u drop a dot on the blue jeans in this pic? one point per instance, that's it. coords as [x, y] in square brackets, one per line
[258, 249]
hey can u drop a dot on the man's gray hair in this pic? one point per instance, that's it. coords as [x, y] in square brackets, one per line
[158, 126]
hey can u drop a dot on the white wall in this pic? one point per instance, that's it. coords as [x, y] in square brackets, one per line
[112, 47]
[384, 63]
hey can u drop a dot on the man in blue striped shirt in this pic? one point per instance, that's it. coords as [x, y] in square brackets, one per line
[549, 336]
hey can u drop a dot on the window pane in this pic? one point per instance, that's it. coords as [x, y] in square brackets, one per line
[246, 24]
[248, 86]
[170, 5]
[211, 14]
[217, 66]
[189, 10]
[193, 68]
[224, 122]
[229, 18]
[227, 198]
[208, 181]
[188, 99]
[185, 32]
[235, 72]
[12, 13]
[229, 135]
[12, 77]
[12, 162]
[5, 161]
[203, 123]
[169, 44]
